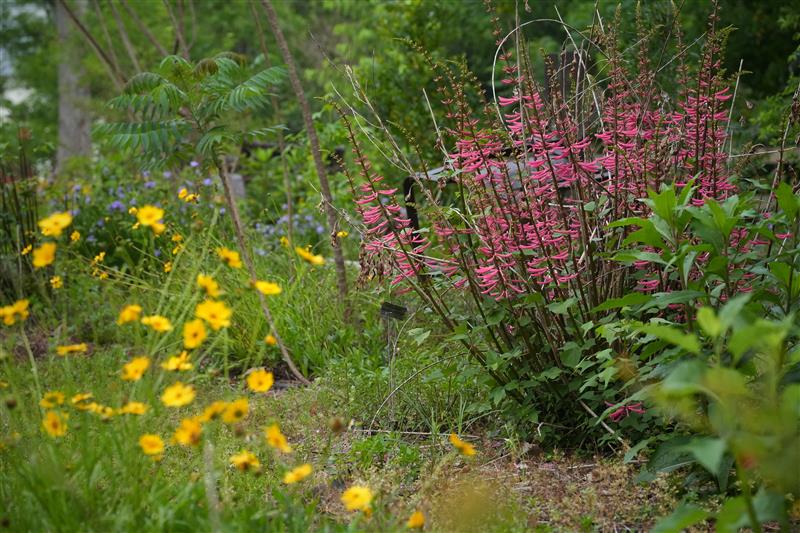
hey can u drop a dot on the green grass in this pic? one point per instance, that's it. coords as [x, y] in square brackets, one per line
[96, 478]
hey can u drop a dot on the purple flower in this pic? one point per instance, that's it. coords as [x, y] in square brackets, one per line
[207, 182]
[194, 164]
[261, 252]
[146, 173]
[149, 184]
[75, 212]
[221, 210]
[116, 205]
[157, 252]
[167, 174]
[91, 238]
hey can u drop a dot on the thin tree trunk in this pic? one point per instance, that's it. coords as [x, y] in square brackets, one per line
[144, 29]
[74, 122]
[330, 211]
[116, 76]
[123, 35]
[287, 178]
[177, 26]
[244, 249]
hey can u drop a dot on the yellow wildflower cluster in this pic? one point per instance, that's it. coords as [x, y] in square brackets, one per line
[18, 311]
[53, 225]
[188, 197]
[72, 348]
[151, 217]
[230, 257]
[135, 369]
[306, 255]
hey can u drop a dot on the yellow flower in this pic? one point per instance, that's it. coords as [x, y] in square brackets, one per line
[178, 395]
[158, 228]
[271, 340]
[177, 249]
[260, 380]
[245, 460]
[357, 498]
[75, 236]
[168, 267]
[7, 314]
[342, 234]
[230, 257]
[44, 255]
[216, 313]
[133, 210]
[55, 424]
[80, 399]
[464, 448]
[56, 282]
[416, 520]
[178, 363]
[188, 433]
[133, 408]
[213, 411]
[53, 225]
[194, 333]
[152, 445]
[177, 237]
[297, 474]
[20, 308]
[103, 410]
[187, 197]
[267, 288]
[236, 411]
[157, 322]
[208, 284]
[129, 313]
[284, 242]
[72, 348]
[26, 250]
[17, 310]
[316, 260]
[135, 369]
[276, 439]
[149, 215]
[51, 399]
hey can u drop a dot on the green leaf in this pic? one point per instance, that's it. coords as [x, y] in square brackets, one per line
[708, 321]
[731, 310]
[685, 379]
[681, 518]
[631, 454]
[661, 300]
[419, 335]
[708, 452]
[787, 201]
[733, 516]
[561, 308]
[687, 341]
[631, 256]
[629, 300]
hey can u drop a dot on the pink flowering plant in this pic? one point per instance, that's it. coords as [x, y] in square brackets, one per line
[566, 218]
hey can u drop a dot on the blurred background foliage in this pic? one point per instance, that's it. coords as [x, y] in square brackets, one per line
[374, 38]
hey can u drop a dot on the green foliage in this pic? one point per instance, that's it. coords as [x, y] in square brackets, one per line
[187, 110]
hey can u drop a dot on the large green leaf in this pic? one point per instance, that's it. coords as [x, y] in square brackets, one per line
[681, 518]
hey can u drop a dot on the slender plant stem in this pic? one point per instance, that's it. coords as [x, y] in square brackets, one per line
[313, 140]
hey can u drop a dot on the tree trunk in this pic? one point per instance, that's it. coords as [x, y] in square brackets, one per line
[313, 140]
[74, 121]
